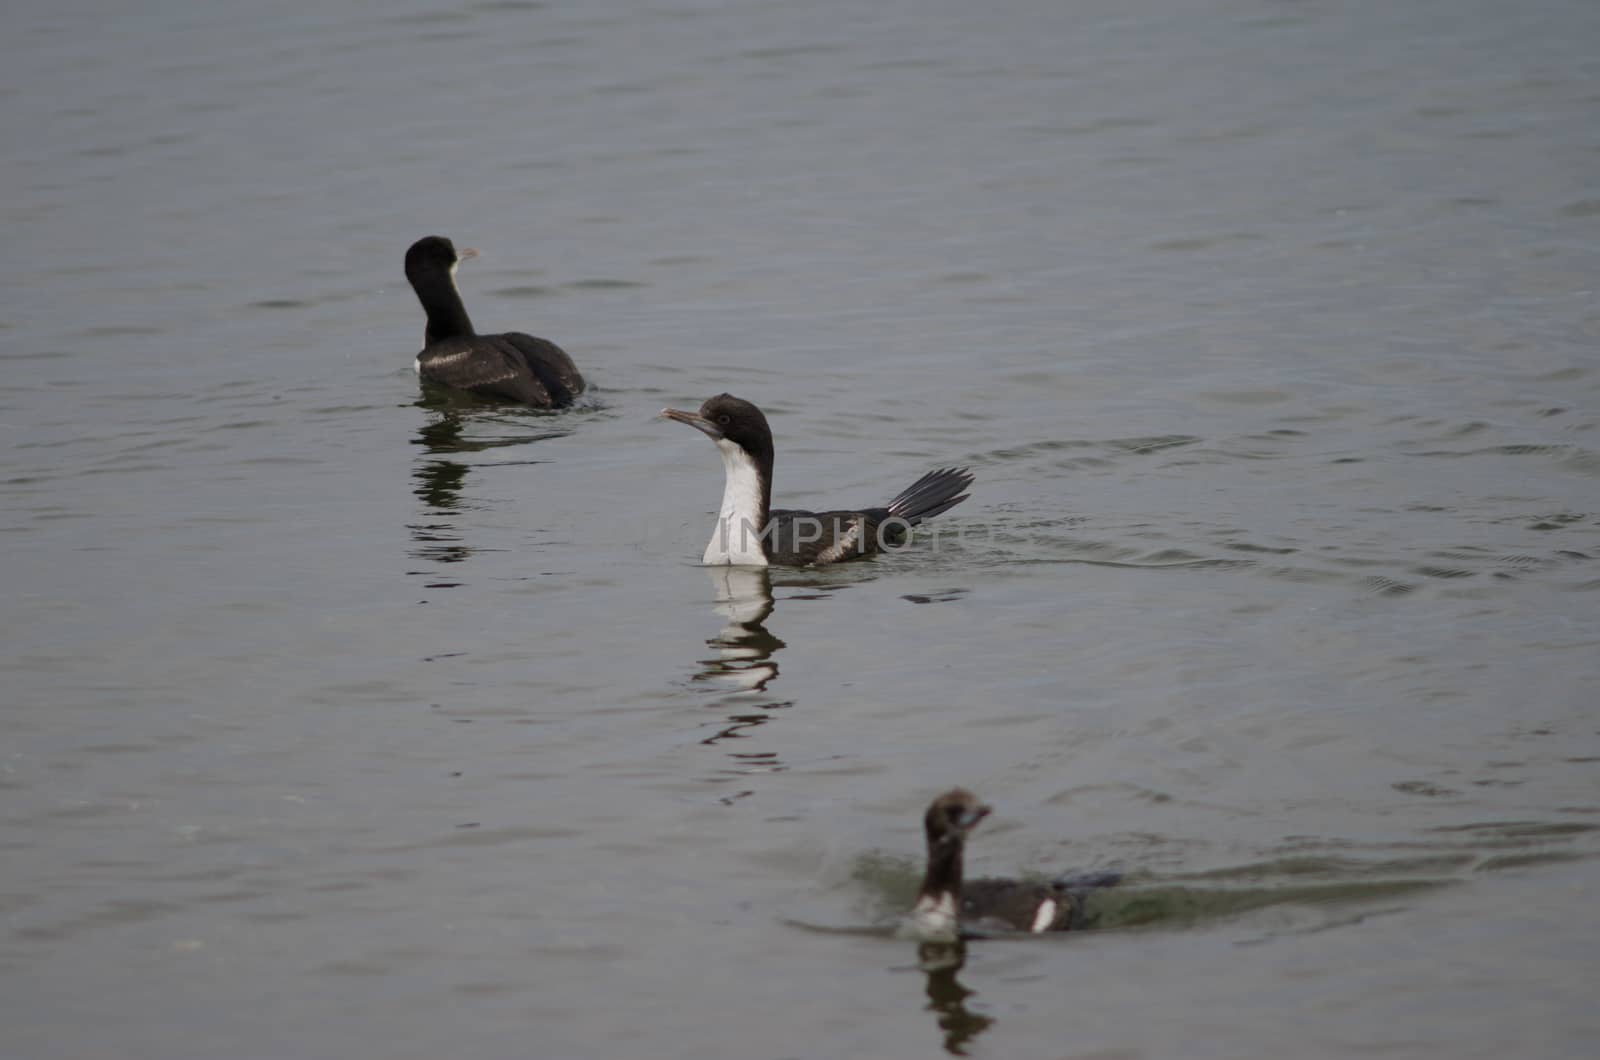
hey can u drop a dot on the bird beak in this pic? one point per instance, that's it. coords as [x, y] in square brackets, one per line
[977, 814]
[695, 420]
[466, 254]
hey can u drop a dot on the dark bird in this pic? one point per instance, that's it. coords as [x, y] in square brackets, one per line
[510, 367]
[948, 908]
[750, 532]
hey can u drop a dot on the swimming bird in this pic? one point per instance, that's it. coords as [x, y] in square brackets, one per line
[750, 532]
[947, 907]
[511, 367]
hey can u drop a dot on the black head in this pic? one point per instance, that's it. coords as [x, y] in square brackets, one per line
[434, 254]
[731, 418]
[951, 816]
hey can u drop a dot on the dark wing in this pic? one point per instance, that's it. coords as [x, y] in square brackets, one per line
[549, 364]
[1016, 905]
[805, 539]
[484, 365]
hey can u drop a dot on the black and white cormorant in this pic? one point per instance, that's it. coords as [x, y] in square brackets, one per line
[750, 532]
[510, 367]
[949, 907]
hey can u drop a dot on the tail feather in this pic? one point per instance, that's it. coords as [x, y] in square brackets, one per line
[549, 364]
[1087, 881]
[933, 493]
[1079, 886]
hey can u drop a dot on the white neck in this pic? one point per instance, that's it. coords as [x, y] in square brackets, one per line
[736, 539]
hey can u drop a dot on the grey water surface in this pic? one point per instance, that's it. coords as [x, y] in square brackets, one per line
[341, 720]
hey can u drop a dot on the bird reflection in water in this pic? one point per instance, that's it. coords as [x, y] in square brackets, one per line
[744, 647]
[439, 478]
[940, 961]
[743, 666]
[439, 487]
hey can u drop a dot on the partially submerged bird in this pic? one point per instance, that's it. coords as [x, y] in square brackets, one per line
[948, 908]
[510, 367]
[750, 532]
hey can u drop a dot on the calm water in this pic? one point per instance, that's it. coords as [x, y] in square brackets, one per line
[342, 723]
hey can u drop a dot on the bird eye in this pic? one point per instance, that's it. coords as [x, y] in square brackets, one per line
[724, 419]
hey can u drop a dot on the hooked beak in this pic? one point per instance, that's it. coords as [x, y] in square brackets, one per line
[695, 420]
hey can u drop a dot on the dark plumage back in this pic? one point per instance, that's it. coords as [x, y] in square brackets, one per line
[511, 366]
[993, 903]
